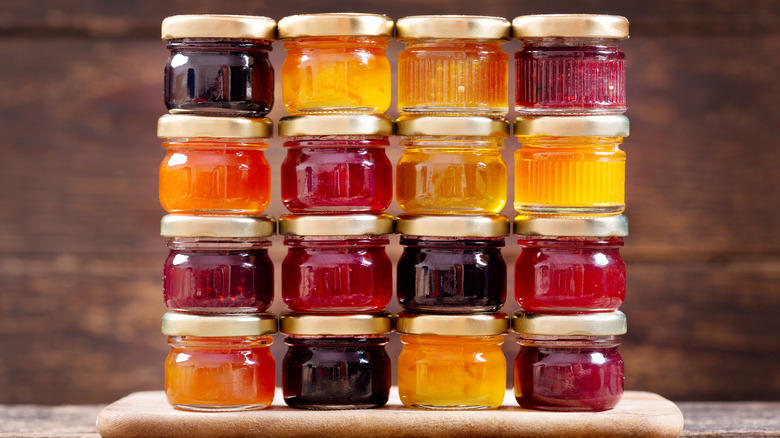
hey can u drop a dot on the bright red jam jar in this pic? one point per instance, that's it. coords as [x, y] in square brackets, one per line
[569, 362]
[570, 64]
[336, 263]
[570, 265]
[336, 163]
[218, 264]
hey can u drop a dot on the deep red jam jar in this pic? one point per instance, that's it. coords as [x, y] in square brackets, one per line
[570, 265]
[336, 361]
[219, 64]
[451, 264]
[570, 64]
[336, 163]
[336, 263]
[569, 362]
[218, 264]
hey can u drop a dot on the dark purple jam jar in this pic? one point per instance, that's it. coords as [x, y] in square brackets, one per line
[218, 264]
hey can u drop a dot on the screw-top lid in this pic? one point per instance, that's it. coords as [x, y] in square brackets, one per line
[572, 126]
[335, 24]
[453, 26]
[452, 126]
[453, 226]
[336, 324]
[335, 225]
[218, 326]
[188, 126]
[218, 26]
[229, 227]
[608, 226]
[483, 324]
[336, 124]
[582, 324]
[570, 25]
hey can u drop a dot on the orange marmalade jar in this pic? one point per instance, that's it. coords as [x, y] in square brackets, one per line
[214, 165]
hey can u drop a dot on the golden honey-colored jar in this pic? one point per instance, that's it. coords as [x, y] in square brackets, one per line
[570, 166]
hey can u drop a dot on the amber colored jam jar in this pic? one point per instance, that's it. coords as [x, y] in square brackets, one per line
[570, 166]
[336, 163]
[451, 165]
[219, 362]
[570, 64]
[219, 64]
[569, 362]
[336, 361]
[336, 63]
[452, 361]
[570, 265]
[336, 263]
[214, 165]
[451, 264]
[453, 64]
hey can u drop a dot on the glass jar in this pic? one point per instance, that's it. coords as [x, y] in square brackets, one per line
[453, 64]
[218, 264]
[569, 362]
[570, 64]
[218, 362]
[570, 166]
[451, 264]
[336, 263]
[570, 265]
[336, 163]
[451, 361]
[336, 361]
[451, 165]
[219, 64]
[336, 62]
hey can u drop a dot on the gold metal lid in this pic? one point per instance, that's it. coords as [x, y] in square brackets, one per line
[608, 226]
[572, 126]
[582, 324]
[452, 226]
[467, 126]
[335, 24]
[335, 324]
[454, 26]
[219, 26]
[335, 225]
[336, 124]
[218, 326]
[235, 227]
[570, 25]
[483, 324]
[187, 126]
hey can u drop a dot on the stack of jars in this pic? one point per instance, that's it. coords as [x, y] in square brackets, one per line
[569, 193]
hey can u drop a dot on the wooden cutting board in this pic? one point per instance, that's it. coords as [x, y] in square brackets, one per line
[147, 414]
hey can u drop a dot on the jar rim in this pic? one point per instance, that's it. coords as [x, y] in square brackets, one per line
[336, 324]
[452, 126]
[454, 27]
[583, 324]
[335, 24]
[572, 126]
[218, 326]
[192, 126]
[453, 225]
[336, 124]
[570, 25]
[218, 26]
[482, 324]
[183, 225]
[607, 226]
[336, 225]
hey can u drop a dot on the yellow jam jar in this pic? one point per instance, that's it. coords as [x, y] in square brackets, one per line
[570, 166]
[452, 361]
[336, 63]
[451, 165]
[453, 64]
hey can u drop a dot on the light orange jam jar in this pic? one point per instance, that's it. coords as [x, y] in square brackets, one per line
[336, 63]
[214, 165]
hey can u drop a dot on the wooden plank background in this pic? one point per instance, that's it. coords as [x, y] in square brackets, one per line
[80, 255]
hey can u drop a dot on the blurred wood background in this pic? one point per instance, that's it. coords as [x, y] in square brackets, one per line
[81, 258]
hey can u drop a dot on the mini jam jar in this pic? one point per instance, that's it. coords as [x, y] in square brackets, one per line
[219, 362]
[219, 64]
[453, 64]
[336, 63]
[336, 361]
[218, 264]
[214, 165]
[570, 265]
[452, 361]
[570, 64]
[570, 166]
[451, 165]
[451, 264]
[569, 362]
[336, 263]
[336, 163]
